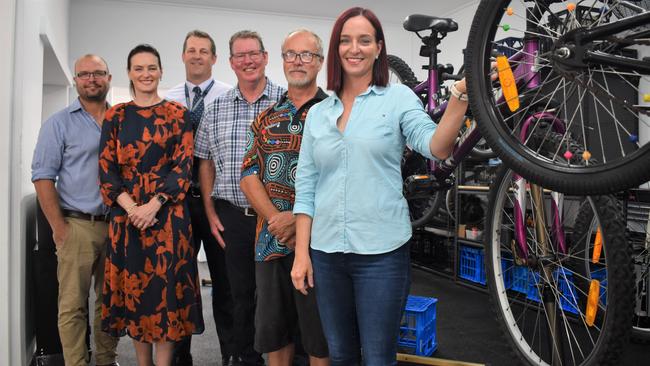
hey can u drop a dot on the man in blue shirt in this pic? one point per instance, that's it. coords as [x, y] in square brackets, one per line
[65, 176]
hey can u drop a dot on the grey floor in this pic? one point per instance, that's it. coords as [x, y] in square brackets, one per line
[466, 329]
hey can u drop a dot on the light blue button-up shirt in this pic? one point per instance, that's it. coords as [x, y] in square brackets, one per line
[67, 152]
[350, 183]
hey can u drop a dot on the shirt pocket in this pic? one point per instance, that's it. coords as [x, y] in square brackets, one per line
[376, 125]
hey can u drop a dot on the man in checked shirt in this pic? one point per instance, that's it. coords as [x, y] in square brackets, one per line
[268, 176]
[222, 138]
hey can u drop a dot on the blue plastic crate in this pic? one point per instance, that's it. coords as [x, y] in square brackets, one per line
[568, 298]
[520, 276]
[471, 266]
[533, 290]
[506, 270]
[418, 326]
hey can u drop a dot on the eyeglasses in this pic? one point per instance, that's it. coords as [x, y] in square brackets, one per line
[85, 75]
[305, 56]
[253, 55]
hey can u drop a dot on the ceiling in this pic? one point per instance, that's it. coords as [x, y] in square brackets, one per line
[388, 11]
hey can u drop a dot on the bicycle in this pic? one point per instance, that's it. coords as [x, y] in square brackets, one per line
[637, 205]
[581, 63]
[559, 273]
[426, 182]
[611, 270]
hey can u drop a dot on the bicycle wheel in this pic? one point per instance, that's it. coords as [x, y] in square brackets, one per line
[540, 299]
[591, 88]
[423, 204]
[400, 73]
[641, 319]
[639, 238]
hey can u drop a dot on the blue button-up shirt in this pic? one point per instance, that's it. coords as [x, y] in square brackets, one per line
[67, 152]
[350, 183]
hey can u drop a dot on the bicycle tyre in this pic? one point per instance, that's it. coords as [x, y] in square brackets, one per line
[422, 209]
[520, 315]
[641, 318]
[499, 128]
[402, 72]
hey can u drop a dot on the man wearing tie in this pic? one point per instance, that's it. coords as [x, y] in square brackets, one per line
[199, 90]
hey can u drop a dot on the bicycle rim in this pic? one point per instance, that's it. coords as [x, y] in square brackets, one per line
[641, 319]
[596, 104]
[639, 238]
[528, 293]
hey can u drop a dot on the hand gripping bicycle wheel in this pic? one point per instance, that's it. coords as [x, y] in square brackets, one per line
[581, 67]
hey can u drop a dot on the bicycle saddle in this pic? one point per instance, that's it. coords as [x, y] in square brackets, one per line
[419, 22]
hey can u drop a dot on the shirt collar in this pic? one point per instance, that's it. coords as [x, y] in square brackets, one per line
[203, 85]
[76, 106]
[320, 96]
[266, 92]
[374, 89]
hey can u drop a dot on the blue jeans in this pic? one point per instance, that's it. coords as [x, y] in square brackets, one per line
[360, 300]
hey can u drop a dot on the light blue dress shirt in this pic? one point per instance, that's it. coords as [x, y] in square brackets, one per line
[67, 152]
[350, 183]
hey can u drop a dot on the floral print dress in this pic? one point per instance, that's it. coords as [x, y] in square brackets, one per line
[151, 289]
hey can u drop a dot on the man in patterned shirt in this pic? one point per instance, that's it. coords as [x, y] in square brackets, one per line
[222, 138]
[268, 176]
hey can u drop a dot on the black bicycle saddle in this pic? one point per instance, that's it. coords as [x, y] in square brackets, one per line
[419, 22]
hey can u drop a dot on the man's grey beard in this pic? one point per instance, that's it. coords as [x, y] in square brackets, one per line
[299, 83]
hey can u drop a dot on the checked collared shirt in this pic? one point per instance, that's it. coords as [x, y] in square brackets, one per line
[222, 137]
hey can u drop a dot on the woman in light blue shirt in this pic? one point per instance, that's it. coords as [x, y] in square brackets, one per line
[349, 203]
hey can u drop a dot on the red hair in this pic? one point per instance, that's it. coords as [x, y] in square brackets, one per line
[334, 68]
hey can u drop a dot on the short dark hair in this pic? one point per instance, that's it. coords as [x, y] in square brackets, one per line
[141, 48]
[334, 68]
[243, 35]
[200, 34]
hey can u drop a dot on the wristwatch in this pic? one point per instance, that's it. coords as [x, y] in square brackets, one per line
[162, 199]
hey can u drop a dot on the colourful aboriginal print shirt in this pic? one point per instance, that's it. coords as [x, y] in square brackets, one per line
[272, 148]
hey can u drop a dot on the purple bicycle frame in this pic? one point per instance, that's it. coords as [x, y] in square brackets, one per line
[442, 169]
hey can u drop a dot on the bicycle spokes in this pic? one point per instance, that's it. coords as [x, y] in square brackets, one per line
[585, 63]
[566, 304]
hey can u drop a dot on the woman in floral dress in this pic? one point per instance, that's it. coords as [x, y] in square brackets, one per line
[151, 289]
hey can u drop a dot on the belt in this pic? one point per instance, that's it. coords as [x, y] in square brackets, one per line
[247, 211]
[84, 216]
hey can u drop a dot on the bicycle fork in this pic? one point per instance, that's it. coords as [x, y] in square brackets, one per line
[548, 298]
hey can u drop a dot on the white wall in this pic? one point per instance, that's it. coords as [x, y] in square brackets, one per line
[112, 28]
[7, 22]
[39, 25]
